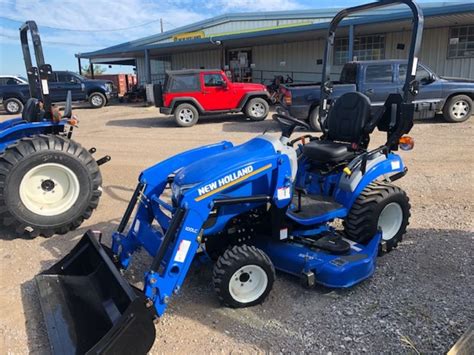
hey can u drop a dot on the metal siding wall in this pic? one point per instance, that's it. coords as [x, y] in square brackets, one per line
[141, 80]
[434, 52]
[195, 60]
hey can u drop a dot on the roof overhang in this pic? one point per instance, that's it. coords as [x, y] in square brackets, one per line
[434, 17]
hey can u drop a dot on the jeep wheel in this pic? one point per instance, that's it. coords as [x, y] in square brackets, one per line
[13, 106]
[257, 109]
[97, 100]
[186, 115]
[458, 109]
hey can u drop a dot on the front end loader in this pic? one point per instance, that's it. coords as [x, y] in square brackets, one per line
[254, 208]
[48, 183]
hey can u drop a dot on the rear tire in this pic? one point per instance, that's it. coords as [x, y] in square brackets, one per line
[243, 276]
[13, 106]
[48, 185]
[97, 100]
[257, 109]
[458, 109]
[314, 119]
[381, 205]
[186, 115]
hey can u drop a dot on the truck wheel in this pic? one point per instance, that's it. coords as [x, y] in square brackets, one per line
[314, 119]
[243, 276]
[48, 185]
[97, 100]
[13, 106]
[380, 205]
[257, 109]
[458, 109]
[186, 115]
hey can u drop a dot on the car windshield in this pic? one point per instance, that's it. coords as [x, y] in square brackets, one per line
[23, 78]
[79, 77]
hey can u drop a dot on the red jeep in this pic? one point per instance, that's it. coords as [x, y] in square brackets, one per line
[187, 94]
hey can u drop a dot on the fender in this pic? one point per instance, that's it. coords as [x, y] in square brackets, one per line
[16, 129]
[179, 100]
[250, 95]
[350, 187]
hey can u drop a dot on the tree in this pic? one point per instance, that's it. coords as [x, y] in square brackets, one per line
[86, 70]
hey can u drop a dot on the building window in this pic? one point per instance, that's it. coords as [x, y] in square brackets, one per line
[461, 42]
[365, 48]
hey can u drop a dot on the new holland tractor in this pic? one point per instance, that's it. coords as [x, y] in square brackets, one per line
[254, 208]
[48, 183]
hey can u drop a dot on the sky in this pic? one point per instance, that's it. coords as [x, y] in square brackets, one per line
[68, 27]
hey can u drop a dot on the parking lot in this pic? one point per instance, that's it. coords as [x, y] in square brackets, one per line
[418, 301]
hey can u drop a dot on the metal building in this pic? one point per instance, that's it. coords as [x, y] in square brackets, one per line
[257, 46]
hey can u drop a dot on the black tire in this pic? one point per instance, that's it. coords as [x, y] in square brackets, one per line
[238, 258]
[458, 109]
[186, 115]
[13, 106]
[314, 119]
[61, 155]
[257, 109]
[97, 100]
[362, 222]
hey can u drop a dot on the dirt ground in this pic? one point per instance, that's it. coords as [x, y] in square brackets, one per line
[419, 300]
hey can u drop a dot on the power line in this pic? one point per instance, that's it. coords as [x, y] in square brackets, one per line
[49, 42]
[82, 30]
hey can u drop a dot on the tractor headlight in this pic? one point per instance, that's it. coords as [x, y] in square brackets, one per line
[178, 190]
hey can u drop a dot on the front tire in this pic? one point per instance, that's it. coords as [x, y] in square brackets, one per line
[97, 100]
[243, 276]
[48, 185]
[380, 205]
[13, 106]
[186, 115]
[257, 109]
[458, 109]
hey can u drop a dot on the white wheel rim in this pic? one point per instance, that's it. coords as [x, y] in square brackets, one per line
[248, 283]
[96, 100]
[257, 109]
[390, 220]
[13, 106]
[460, 109]
[49, 189]
[186, 115]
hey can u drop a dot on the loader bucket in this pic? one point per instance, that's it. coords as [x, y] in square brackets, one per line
[89, 308]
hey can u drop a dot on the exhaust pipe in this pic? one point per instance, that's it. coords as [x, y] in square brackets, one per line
[89, 308]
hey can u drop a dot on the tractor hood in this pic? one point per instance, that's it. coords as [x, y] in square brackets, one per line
[229, 161]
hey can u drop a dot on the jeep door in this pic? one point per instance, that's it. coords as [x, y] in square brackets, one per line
[215, 92]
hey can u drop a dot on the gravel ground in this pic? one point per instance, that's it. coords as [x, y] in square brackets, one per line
[418, 301]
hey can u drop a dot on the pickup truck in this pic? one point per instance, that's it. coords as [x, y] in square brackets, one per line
[14, 91]
[187, 94]
[453, 97]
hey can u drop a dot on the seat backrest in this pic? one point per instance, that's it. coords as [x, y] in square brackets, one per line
[348, 117]
[31, 111]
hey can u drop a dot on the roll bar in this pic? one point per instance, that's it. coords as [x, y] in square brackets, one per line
[37, 75]
[410, 88]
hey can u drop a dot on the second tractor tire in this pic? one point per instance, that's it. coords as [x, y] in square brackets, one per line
[381, 205]
[48, 185]
[243, 276]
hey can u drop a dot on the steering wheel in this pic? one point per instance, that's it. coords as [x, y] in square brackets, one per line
[288, 123]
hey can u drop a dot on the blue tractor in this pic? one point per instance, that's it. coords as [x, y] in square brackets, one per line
[48, 183]
[254, 208]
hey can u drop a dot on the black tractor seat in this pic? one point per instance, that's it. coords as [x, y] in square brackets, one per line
[348, 124]
[328, 151]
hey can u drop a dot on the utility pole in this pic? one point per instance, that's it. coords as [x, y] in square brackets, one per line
[161, 24]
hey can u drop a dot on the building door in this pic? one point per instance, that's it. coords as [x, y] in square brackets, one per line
[239, 61]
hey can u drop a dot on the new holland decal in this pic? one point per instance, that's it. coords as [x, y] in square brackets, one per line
[228, 181]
